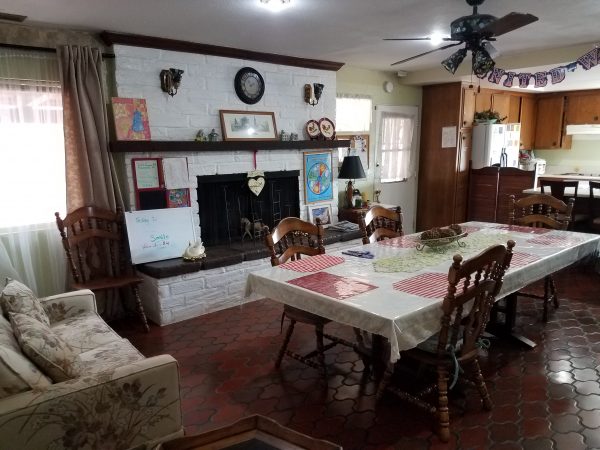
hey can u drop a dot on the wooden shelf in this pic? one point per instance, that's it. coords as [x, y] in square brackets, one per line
[194, 146]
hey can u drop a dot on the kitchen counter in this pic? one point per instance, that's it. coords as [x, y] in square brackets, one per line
[582, 192]
[568, 176]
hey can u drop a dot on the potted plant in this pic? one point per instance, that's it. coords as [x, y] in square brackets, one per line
[488, 116]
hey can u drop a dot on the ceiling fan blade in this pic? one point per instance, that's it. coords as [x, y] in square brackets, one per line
[418, 39]
[426, 53]
[509, 22]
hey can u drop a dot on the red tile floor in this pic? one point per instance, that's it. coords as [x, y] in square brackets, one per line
[545, 398]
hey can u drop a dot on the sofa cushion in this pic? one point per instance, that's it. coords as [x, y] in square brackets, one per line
[18, 298]
[108, 357]
[17, 373]
[48, 351]
[85, 331]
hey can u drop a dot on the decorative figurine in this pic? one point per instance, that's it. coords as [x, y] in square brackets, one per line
[284, 136]
[252, 229]
[213, 136]
[201, 137]
[376, 195]
[293, 136]
[194, 251]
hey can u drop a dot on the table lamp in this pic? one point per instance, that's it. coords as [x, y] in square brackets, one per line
[351, 170]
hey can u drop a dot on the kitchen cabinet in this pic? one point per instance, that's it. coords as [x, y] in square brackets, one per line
[443, 171]
[483, 100]
[501, 104]
[549, 128]
[527, 118]
[583, 108]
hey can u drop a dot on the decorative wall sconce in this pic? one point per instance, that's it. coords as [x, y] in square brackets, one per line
[312, 94]
[170, 80]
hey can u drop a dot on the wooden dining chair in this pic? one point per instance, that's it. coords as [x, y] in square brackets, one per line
[381, 223]
[290, 240]
[94, 242]
[472, 288]
[556, 188]
[594, 223]
[541, 211]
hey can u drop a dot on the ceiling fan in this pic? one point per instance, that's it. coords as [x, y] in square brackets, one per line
[476, 31]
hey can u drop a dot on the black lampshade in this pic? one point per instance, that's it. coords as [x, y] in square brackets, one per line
[453, 61]
[352, 168]
[482, 62]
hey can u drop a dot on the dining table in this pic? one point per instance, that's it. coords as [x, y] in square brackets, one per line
[394, 288]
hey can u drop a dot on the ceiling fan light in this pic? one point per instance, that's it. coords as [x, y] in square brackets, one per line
[453, 61]
[482, 62]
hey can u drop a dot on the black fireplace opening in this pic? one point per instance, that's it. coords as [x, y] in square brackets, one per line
[231, 213]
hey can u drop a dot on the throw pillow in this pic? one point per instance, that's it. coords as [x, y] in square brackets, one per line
[17, 373]
[49, 352]
[18, 298]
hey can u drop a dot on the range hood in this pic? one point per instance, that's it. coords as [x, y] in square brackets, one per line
[583, 129]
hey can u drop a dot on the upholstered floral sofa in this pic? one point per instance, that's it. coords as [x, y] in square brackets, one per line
[67, 380]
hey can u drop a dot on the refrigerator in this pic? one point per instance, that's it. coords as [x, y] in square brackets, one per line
[495, 144]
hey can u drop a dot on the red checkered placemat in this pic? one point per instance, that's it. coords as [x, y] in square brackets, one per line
[522, 259]
[313, 263]
[554, 240]
[429, 285]
[334, 286]
[400, 242]
[521, 229]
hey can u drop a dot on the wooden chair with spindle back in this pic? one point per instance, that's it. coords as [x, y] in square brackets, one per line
[472, 288]
[94, 242]
[541, 211]
[289, 241]
[381, 223]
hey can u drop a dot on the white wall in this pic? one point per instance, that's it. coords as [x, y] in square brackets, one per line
[206, 88]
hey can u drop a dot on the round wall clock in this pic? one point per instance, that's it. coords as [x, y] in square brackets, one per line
[249, 85]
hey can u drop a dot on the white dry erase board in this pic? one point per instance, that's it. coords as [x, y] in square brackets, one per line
[157, 234]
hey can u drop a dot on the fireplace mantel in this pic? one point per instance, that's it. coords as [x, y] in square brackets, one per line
[195, 146]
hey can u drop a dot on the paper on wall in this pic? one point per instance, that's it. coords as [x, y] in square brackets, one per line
[175, 171]
[448, 137]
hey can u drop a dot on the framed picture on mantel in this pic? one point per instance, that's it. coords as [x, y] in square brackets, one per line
[248, 125]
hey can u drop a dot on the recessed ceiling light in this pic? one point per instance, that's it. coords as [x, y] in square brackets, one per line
[275, 5]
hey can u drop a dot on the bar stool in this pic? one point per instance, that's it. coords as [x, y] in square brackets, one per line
[556, 188]
[595, 206]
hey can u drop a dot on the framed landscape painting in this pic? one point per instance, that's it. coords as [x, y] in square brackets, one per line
[318, 177]
[248, 125]
[322, 212]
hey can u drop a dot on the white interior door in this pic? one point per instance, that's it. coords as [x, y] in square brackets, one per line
[402, 193]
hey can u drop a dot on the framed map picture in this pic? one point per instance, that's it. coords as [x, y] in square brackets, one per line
[131, 119]
[318, 177]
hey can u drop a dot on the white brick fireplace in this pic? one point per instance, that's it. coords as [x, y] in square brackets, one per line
[206, 88]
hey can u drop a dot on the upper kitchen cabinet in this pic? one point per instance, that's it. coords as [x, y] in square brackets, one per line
[550, 127]
[527, 118]
[501, 104]
[483, 100]
[583, 108]
[468, 106]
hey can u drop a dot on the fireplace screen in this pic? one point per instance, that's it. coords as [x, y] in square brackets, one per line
[231, 213]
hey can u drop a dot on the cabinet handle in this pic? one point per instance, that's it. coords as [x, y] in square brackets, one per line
[554, 144]
[595, 117]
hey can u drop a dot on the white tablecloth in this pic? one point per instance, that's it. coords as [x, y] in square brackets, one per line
[407, 319]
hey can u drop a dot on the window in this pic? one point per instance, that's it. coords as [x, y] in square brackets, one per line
[353, 114]
[32, 170]
[397, 129]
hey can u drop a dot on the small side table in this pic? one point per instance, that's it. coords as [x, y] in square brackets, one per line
[354, 214]
[351, 214]
[250, 433]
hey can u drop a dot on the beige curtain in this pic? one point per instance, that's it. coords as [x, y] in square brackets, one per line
[89, 167]
[90, 175]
